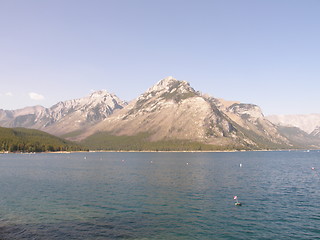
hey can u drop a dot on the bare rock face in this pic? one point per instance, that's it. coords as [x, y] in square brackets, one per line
[77, 114]
[306, 122]
[172, 109]
[316, 132]
[24, 117]
[66, 116]
[249, 112]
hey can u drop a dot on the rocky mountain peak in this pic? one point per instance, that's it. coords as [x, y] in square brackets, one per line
[97, 106]
[102, 94]
[101, 97]
[99, 93]
[66, 116]
[169, 110]
[168, 88]
[246, 111]
[169, 84]
[173, 110]
[162, 84]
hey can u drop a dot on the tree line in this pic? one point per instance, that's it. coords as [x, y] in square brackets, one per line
[141, 142]
[30, 140]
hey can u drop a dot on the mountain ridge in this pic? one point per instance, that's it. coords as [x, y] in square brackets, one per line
[170, 111]
[64, 116]
[306, 122]
[173, 110]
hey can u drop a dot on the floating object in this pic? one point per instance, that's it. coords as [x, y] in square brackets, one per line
[240, 165]
[85, 158]
[122, 160]
[151, 162]
[313, 168]
[237, 203]
[187, 163]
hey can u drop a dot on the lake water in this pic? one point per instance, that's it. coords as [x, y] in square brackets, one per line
[160, 195]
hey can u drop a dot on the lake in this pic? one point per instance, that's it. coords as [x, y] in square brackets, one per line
[160, 195]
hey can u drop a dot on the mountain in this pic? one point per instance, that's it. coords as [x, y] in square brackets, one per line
[21, 117]
[64, 117]
[299, 137]
[172, 110]
[307, 122]
[31, 140]
[170, 115]
[316, 132]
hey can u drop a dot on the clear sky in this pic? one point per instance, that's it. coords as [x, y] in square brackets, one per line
[254, 51]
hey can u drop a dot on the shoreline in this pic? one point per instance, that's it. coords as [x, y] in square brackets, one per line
[149, 151]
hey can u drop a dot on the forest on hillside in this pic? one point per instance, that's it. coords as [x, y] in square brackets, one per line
[30, 140]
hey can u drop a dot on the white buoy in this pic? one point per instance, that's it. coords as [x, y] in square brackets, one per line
[240, 165]
[237, 203]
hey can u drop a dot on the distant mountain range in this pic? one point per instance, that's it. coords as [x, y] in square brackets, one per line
[171, 115]
[64, 117]
[308, 122]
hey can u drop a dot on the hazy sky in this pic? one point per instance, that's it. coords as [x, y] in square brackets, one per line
[265, 52]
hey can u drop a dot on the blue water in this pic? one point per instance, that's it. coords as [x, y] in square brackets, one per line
[160, 195]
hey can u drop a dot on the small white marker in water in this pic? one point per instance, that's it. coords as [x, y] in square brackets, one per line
[85, 158]
[237, 203]
[240, 165]
[122, 160]
[151, 162]
[187, 163]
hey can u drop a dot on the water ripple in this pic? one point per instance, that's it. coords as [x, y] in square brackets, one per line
[51, 196]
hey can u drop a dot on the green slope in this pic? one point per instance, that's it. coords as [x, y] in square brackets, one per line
[141, 142]
[30, 140]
